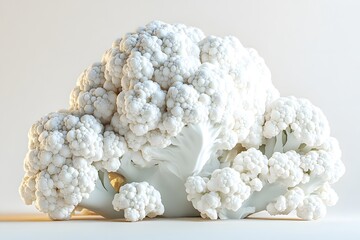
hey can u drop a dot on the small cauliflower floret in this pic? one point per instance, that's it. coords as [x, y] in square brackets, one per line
[286, 203]
[138, 201]
[296, 120]
[332, 147]
[84, 137]
[312, 208]
[176, 69]
[223, 191]
[324, 162]
[215, 89]
[327, 194]
[314, 162]
[138, 69]
[90, 95]
[204, 201]
[208, 204]
[253, 168]
[176, 43]
[285, 168]
[114, 147]
[182, 102]
[92, 77]
[28, 188]
[195, 185]
[232, 190]
[142, 106]
[224, 52]
[224, 180]
[99, 102]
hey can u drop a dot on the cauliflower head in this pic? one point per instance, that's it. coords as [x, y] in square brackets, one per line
[192, 124]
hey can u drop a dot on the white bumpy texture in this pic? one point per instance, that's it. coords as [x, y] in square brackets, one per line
[59, 170]
[196, 117]
[138, 201]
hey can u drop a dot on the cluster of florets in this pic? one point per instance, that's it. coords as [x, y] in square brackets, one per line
[297, 153]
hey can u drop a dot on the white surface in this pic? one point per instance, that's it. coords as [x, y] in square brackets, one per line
[311, 47]
[184, 229]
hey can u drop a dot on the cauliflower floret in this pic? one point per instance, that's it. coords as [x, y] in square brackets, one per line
[224, 180]
[142, 106]
[224, 190]
[182, 102]
[224, 52]
[90, 96]
[324, 162]
[195, 185]
[306, 123]
[286, 203]
[92, 77]
[335, 168]
[176, 69]
[85, 139]
[327, 194]
[114, 61]
[138, 201]
[58, 166]
[312, 208]
[208, 205]
[285, 167]
[204, 201]
[252, 166]
[138, 69]
[28, 188]
[215, 89]
[114, 148]
[98, 102]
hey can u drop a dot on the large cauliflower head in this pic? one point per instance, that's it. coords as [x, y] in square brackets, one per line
[162, 77]
[167, 105]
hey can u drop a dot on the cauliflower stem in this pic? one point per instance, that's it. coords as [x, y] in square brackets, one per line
[190, 152]
[100, 200]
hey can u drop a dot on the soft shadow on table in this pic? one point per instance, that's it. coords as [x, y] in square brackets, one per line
[79, 217]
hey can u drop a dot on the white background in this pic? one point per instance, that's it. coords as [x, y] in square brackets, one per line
[311, 47]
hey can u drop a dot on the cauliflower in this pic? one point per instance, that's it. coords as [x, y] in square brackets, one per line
[195, 117]
[139, 200]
